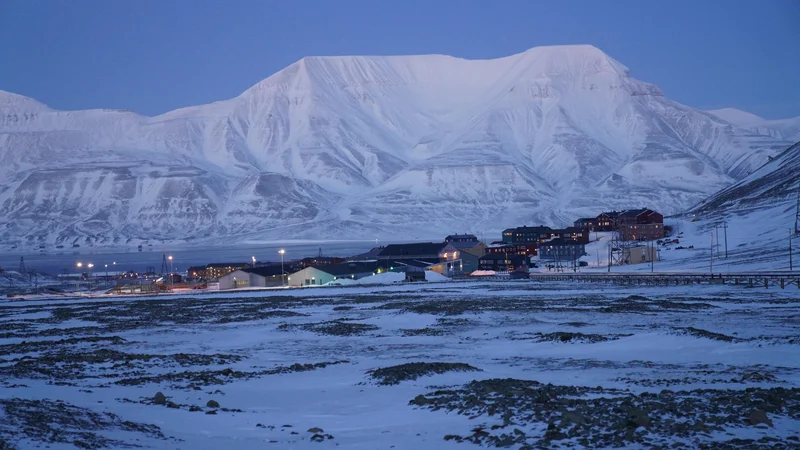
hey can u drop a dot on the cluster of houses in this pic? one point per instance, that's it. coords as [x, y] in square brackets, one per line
[632, 225]
[458, 254]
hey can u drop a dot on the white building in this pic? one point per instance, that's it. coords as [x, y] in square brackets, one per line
[266, 276]
[318, 276]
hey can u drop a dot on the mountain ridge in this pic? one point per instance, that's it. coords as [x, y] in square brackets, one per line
[787, 129]
[395, 145]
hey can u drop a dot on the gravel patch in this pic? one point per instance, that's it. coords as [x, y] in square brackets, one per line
[536, 415]
[339, 327]
[411, 371]
[195, 379]
[57, 422]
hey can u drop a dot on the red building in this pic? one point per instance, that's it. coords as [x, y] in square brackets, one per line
[606, 221]
[640, 225]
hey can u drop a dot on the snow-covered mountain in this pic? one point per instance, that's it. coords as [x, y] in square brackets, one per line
[369, 147]
[773, 185]
[759, 212]
[786, 129]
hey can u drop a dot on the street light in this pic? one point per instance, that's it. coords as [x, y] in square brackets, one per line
[89, 266]
[254, 260]
[283, 275]
[80, 275]
[106, 275]
[171, 281]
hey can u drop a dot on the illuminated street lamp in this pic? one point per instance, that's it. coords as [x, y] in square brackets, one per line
[80, 274]
[171, 281]
[89, 283]
[283, 275]
[254, 260]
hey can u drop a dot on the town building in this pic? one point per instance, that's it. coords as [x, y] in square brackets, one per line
[502, 262]
[196, 272]
[588, 223]
[428, 252]
[319, 261]
[561, 250]
[214, 271]
[607, 221]
[318, 276]
[466, 243]
[526, 235]
[516, 249]
[640, 225]
[469, 250]
[469, 262]
[263, 276]
[639, 255]
[576, 234]
[448, 268]
[461, 238]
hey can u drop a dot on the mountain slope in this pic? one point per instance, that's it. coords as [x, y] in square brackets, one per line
[773, 185]
[787, 129]
[758, 214]
[365, 147]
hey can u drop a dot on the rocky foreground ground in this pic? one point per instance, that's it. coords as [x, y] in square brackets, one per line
[519, 365]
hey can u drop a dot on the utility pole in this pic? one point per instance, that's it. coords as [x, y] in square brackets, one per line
[651, 255]
[711, 254]
[598, 257]
[797, 212]
[716, 230]
[725, 230]
[791, 236]
[609, 257]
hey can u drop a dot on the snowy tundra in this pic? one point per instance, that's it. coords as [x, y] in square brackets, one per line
[423, 366]
[397, 147]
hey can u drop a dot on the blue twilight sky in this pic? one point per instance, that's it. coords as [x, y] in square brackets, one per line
[152, 56]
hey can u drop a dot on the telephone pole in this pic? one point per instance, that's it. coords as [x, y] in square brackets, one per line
[711, 254]
[652, 255]
[716, 230]
[797, 213]
[791, 236]
[725, 230]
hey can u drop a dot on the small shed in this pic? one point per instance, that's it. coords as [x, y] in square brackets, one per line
[414, 274]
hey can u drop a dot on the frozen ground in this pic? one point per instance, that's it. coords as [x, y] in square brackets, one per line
[426, 366]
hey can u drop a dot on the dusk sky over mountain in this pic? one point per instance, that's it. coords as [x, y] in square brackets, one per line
[152, 57]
